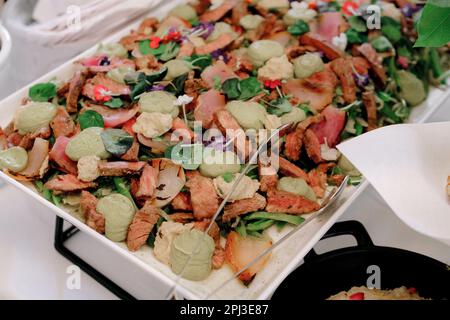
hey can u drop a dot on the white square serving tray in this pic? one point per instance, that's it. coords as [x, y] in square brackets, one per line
[284, 259]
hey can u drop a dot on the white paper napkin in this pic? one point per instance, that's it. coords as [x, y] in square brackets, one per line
[408, 165]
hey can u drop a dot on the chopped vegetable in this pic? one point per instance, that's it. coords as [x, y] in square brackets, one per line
[295, 220]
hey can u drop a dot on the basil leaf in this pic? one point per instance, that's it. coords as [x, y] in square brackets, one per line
[117, 141]
[90, 118]
[157, 76]
[200, 61]
[177, 85]
[134, 78]
[144, 47]
[231, 88]
[300, 27]
[354, 36]
[381, 44]
[249, 87]
[357, 23]
[115, 103]
[391, 29]
[139, 89]
[433, 26]
[280, 107]
[42, 92]
[170, 51]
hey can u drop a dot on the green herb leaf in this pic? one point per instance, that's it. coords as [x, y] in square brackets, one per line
[144, 47]
[354, 36]
[123, 189]
[433, 26]
[200, 61]
[391, 29]
[300, 27]
[91, 118]
[117, 141]
[357, 23]
[157, 76]
[381, 44]
[115, 103]
[170, 51]
[231, 88]
[42, 92]
[249, 88]
[280, 107]
[139, 89]
[228, 177]
[305, 107]
[177, 85]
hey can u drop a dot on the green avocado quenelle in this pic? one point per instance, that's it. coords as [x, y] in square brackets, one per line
[118, 211]
[87, 143]
[297, 186]
[159, 101]
[14, 159]
[200, 246]
[34, 116]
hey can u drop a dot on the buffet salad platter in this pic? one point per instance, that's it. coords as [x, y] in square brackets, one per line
[151, 141]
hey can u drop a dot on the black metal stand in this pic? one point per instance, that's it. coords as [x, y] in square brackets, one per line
[61, 236]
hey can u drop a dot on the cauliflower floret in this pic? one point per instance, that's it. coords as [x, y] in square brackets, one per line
[167, 232]
[152, 125]
[277, 68]
[246, 189]
[390, 10]
[88, 168]
[299, 11]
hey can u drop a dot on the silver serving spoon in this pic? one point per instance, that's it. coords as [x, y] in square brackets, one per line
[327, 203]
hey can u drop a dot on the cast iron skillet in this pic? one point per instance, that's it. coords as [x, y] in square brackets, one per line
[322, 276]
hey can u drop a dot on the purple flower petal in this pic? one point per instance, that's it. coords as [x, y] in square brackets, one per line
[204, 28]
[220, 54]
[218, 143]
[407, 10]
[361, 80]
[158, 87]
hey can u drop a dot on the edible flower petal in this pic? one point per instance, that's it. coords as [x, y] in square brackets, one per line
[272, 84]
[101, 93]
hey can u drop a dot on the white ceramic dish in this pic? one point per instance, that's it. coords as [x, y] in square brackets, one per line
[284, 259]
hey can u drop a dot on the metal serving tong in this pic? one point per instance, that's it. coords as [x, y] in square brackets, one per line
[328, 201]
